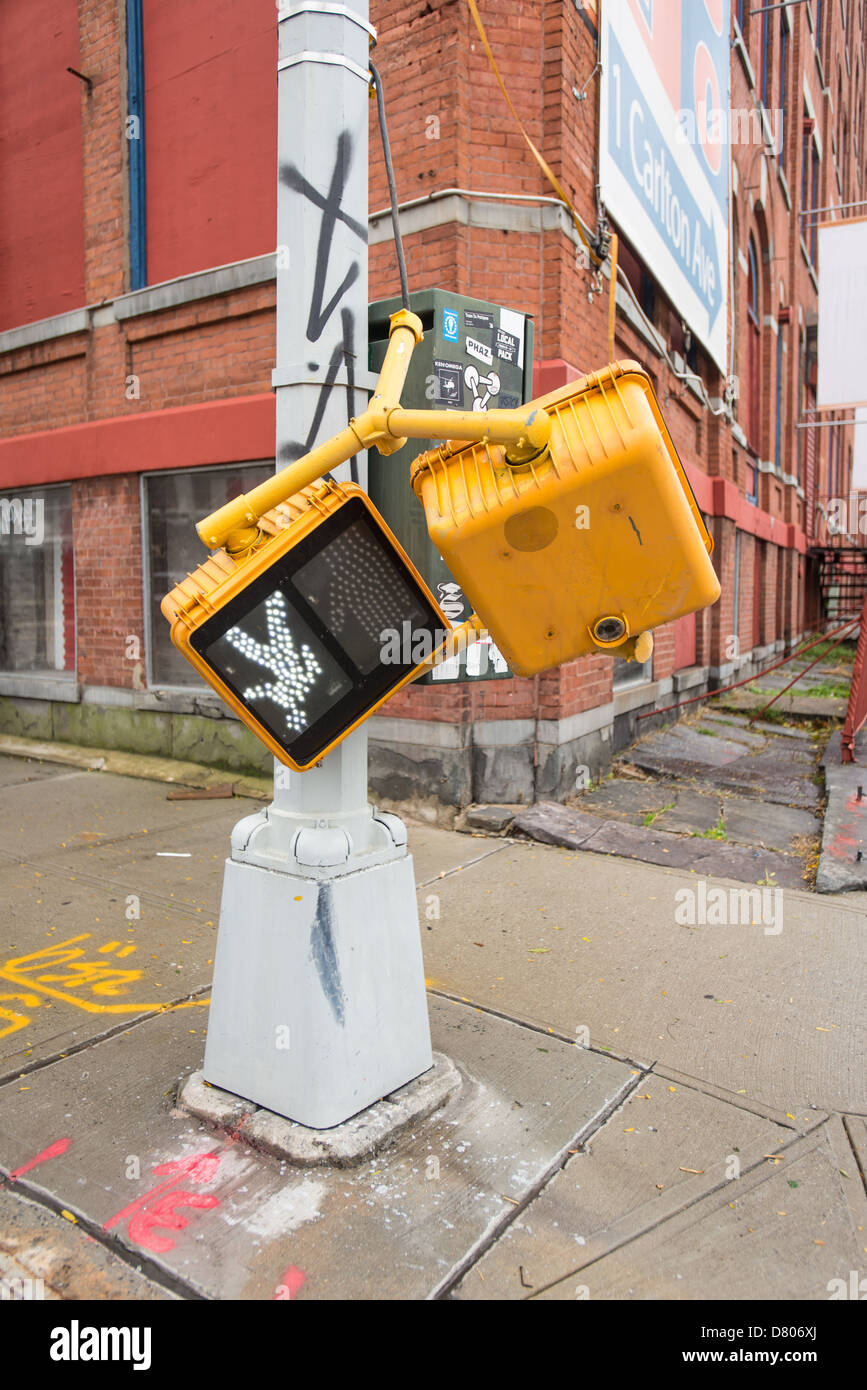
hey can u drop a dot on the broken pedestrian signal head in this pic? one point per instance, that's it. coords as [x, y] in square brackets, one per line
[298, 634]
[585, 545]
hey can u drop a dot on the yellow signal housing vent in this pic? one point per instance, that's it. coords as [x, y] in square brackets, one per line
[583, 548]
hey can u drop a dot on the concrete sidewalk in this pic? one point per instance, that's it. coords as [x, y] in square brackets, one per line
[653, 1105]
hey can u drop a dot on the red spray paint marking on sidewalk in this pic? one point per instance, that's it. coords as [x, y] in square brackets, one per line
[53, 1151]
[292, 1282]
[157, 1207]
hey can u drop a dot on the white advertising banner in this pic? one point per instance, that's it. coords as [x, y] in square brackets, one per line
[842, 314]
[664, 149]
[859, 457]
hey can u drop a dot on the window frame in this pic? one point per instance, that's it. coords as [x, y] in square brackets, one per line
[48, 674]
[754, 329]
[781, 354]
[196, 685]
[736, 592]
[815, 161]
[799, 443]
[766, 66]
[784, 57]
[632, 674]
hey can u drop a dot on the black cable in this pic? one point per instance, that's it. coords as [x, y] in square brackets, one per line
[392, 190]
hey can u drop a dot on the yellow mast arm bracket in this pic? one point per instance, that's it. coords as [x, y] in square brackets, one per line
[456, 643]
[386, 426]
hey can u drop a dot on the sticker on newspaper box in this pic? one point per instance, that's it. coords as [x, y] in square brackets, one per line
[449, 383]
[507, 346]
[480, 351]
[476, 319]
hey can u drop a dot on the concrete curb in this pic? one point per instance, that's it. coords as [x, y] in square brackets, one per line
[844, 834]
[552, 824]
[135, 765]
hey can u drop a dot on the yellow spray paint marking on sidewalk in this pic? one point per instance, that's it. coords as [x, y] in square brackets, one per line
[62, 964]
[16, 1020]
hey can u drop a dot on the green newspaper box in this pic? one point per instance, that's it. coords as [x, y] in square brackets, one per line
[475, 356]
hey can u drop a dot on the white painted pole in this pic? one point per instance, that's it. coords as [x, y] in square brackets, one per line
[319, 1006]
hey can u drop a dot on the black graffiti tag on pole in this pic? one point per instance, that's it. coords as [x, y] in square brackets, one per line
[319, 314]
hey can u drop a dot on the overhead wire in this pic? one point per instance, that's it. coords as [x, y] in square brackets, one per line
[682, 376]
[584, 231]
[392, 187]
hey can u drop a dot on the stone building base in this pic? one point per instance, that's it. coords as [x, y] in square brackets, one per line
[506, 761]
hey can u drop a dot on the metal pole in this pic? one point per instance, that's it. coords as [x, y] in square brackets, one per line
[319, 940]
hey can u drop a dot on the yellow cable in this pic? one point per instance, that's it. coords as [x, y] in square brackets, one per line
[542, 163]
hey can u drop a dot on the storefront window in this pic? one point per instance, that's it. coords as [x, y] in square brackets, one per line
[37, 582]
[173, 503]
[631, 672]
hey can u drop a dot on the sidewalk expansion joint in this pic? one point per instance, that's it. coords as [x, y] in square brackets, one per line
[853, 1145]
[459, 868]
[753, 1107]
[618, 1235]
[502, 1223]
[540, 1028]
[135, 1260]
[74, 1048]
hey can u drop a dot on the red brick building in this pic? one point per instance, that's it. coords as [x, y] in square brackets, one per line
[137, 282]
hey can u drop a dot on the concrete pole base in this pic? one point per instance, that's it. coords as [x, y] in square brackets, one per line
[318, 1007]
[343, 1146]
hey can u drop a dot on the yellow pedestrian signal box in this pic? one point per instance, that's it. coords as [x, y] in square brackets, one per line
[568, 522]
[585, 547]
[311, 629]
